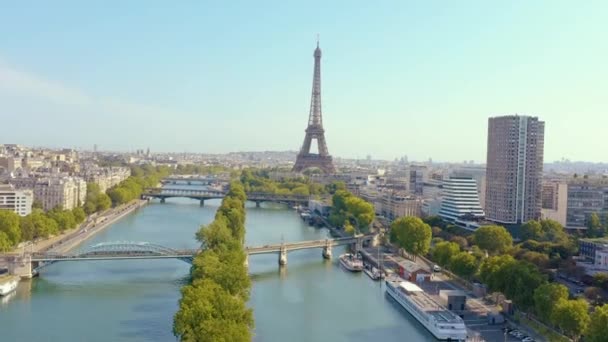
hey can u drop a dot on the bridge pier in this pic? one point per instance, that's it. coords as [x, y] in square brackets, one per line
[21, 266]
[283, 257]
[327, 252]
[246, 260]
[202, 203]
[162, 200]
[257, 204]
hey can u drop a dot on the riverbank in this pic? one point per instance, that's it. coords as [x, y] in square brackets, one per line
[72, 238]
[88, 230]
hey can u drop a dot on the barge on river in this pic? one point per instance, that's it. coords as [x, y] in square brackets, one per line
[442, 323]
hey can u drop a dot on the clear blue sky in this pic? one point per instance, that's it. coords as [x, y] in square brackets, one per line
[399, 77]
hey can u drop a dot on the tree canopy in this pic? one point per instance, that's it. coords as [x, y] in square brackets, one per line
[463, 264]
[411, 234]
[571, 316]
[493, 239]
[213, 307]
[9, 225]
[597, 330]
[545, 298]
[443, 252]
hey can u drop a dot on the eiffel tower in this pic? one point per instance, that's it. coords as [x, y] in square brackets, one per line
[315, 130]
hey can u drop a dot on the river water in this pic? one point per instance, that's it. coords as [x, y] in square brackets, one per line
[309, 300]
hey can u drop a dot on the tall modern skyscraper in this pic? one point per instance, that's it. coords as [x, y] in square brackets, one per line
[514, 169]
[315, 130]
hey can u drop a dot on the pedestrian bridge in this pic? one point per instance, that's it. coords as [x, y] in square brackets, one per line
[29, 264]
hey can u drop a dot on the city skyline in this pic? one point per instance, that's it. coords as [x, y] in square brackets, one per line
[408, 81]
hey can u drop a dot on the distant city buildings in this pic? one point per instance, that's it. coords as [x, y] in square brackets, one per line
[514, 169]
[17, 201]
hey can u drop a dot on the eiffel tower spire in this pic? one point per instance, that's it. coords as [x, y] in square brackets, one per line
[315, 129]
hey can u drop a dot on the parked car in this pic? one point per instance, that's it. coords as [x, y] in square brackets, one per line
[436, 268]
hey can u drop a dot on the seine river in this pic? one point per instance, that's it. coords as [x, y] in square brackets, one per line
[309, 300]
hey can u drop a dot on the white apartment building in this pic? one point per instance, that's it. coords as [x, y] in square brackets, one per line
[67, 192]
[18, 201]
[460, 199]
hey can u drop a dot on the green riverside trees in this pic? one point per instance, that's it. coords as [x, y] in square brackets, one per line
[213, 306]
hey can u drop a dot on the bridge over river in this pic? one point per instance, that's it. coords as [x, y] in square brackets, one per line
[29, 264]
[205, 194]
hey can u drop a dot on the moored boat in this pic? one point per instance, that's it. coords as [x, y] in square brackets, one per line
[442, 323]
[9, 285]
[373, 273]
[351, 262]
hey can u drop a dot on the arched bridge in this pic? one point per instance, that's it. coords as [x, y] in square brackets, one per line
[205, 194]
[118, 251]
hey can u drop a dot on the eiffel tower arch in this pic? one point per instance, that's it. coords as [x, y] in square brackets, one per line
[315, 130]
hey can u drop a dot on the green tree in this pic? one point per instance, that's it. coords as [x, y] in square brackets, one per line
[443, 252]
[226, 268]
[79, 214]
[103, 202]
[120, 195]
[545, 298]
[339, 200]
[492, 271]
[594, 226]
[493, 239]
[531, 230]
[571, 316]
[5, 243]
[9, 225]
[520, 280]
[553, 231]
[348, 228]
[64, 218]
[208, 313]
[463, 264]
[597, 330]
[362, 211]
[539, 259]
[411, 234]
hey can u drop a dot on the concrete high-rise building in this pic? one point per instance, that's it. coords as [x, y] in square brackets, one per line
[514, 169]
[18, 201]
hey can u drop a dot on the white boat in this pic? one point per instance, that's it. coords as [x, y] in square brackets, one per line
[351, 262]
[373, 273]
[439, 321]
[8, 286]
